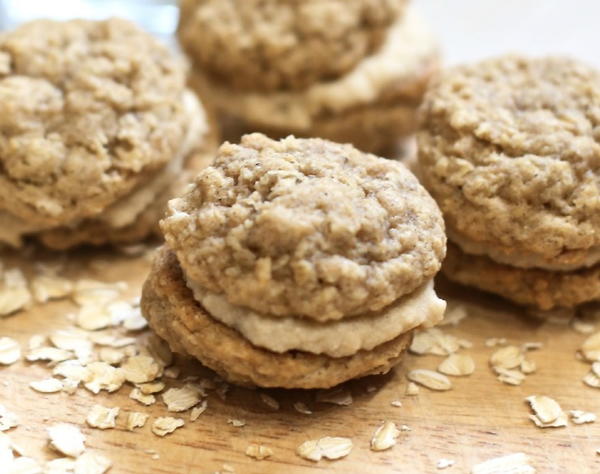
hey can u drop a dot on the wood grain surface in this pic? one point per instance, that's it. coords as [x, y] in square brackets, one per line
[479, 418]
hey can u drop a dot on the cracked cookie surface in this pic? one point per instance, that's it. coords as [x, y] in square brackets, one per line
[87, 110]
[306, 227]
[282, 44]
[510, 149]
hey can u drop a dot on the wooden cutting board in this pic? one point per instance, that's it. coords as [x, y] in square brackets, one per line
[478, 419]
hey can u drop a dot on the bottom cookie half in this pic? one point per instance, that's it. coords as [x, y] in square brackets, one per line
[542, 289]
[173, 313]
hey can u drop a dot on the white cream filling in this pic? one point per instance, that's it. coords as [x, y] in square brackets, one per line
[408, 48]
[520, 259]
[336, 338]
[127, 209]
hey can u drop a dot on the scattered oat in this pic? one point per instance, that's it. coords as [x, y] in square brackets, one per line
[269, 401]
[135, 321]
[36, 341]
[51, 354]
[430, 379]
[101, 376]
[412, 389]
[97, 293]
[71, 369]
[434, 341]
[582, 326]
[111, 356]
[457, 364]
[454, 314]
[405, 428]
[235, 422]
[66, 439]
[92, 463]
[228, 468]
[517, 463]
[396, 403]
[140, 369]
[47, 287]
[509, 376]
[495, 341]
[165, 425]
[14, 294]
[151, 387]
[181, 399]
[301, 407]
[50, 385]
[172, 372]
[547, 412]
[385, 436]
[528, 366]
[10, 351]
[591, 347]
[75, 341]
[327, 447]
[508, 357]
[135, 419]
[8, 419]
[102, 417]
[580, 417]
[444, 463]
[109, 340]
[60, 466]
[137, 395]
[336, 396]
[531, 346]
[258, 451]
[198, 410]
[25, 465]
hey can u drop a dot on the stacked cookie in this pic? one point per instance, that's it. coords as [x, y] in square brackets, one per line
[347, 70]
[510, 149]
[298, 263]
[96, 128]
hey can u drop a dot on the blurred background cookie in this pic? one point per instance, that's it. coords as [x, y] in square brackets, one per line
[297, 263]
[96, 126]
[350, 71]
[510, 149]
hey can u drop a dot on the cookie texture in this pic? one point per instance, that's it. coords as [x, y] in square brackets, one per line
[87, 110]
[97, 232]
[282, 44]
[542, 289]
[172, 312]
[510, 150]
[306, 227]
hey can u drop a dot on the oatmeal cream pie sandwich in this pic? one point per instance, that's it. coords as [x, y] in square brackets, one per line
[510, 149]
[346, 70]
[97, 132]
[298, 263]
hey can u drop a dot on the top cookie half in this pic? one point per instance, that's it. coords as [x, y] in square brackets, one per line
[306, 227]
[282, 44]
[87, 110]
[510, 149]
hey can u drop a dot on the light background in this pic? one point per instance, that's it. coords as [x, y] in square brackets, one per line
[468, 29]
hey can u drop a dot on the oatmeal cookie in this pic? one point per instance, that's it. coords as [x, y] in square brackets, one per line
[95, 231]
[510, 150]
[282, 44]
[373, 106]
[542, 289]
[306, 227]
[174, 314]
[88, 110]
